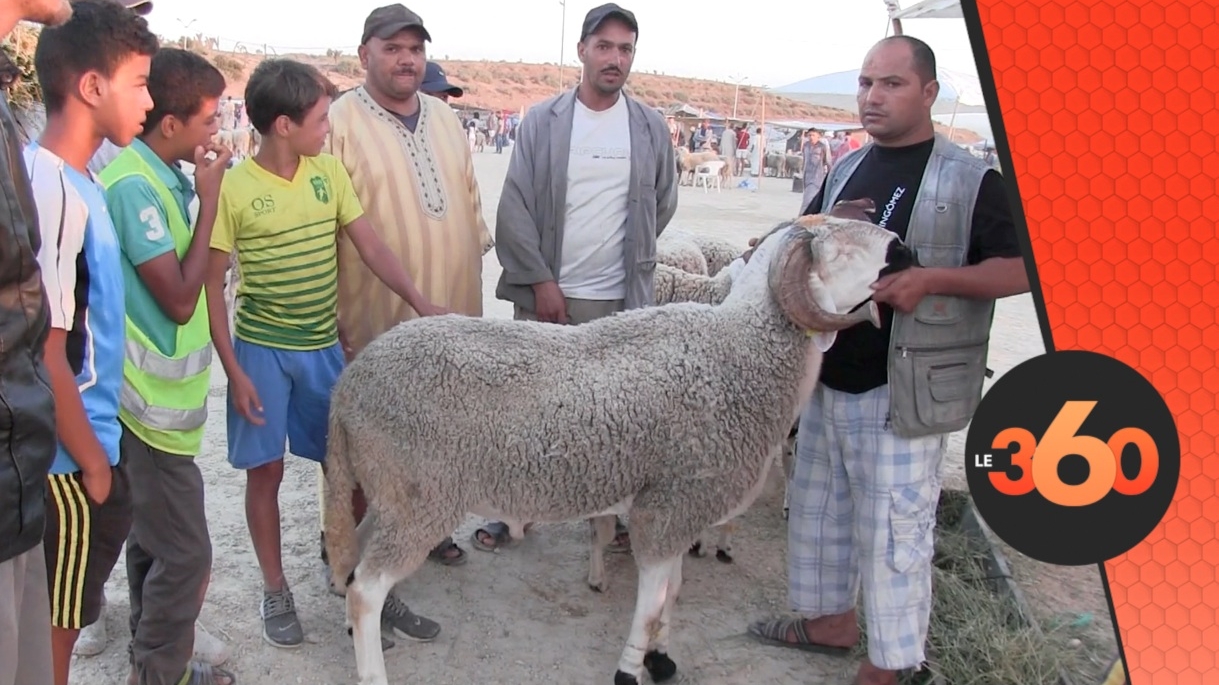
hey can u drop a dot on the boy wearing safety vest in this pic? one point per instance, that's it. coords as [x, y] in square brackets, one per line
[166, 370]
[283, 210]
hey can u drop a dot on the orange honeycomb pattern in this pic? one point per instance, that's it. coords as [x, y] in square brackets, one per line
[1106, 104]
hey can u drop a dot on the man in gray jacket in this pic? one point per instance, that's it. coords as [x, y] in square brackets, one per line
[591, 184]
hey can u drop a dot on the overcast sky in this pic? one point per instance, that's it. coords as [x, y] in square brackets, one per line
[770, 42]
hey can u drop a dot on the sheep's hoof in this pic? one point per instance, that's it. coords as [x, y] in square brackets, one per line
[597, 587]
[698, 550]
[786, 511]
[659, 666]
[622, 678]
[723, 556]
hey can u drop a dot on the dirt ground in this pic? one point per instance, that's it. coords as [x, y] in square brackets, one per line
[535, 595]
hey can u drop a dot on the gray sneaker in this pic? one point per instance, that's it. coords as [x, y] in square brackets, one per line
[405, 623]
[280, 627]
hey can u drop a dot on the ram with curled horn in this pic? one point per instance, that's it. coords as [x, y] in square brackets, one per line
[670, 415]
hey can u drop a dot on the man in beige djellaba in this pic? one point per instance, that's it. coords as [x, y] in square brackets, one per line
[408, 158]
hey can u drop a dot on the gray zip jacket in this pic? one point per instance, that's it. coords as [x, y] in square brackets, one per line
[532, 206]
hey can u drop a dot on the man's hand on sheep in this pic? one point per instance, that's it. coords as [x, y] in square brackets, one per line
[549, 304]
[903, 290]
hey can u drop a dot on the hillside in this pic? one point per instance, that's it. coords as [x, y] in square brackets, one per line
[491, 85]
[513, 85]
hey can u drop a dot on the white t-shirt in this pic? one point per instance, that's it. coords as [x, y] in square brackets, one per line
[598, 184]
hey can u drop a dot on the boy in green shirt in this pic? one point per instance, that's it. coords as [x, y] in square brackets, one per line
[282, 211]
[166, 372]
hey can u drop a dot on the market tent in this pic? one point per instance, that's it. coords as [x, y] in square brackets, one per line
[927, 9]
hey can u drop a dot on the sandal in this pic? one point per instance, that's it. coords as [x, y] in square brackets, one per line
[775, 632]
[448, 553]
[499, 534]
[199, 673]
[622, 540]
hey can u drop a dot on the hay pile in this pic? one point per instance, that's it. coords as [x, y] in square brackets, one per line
[976, 636]
[20, 83]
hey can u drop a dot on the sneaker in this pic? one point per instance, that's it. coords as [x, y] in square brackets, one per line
[280, 626]
[405, 623]
[209, 649]
[92, 639]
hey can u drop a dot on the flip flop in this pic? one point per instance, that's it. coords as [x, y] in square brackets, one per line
[199, 673]
[498, 532]
[775, 632]
[616, 547]
[440, 553]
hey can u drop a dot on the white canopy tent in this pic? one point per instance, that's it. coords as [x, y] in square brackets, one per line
[927, 9]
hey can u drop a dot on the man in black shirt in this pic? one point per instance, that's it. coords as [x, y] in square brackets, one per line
[863, 493]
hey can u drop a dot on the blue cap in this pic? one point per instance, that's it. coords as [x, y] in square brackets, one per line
[434, 81]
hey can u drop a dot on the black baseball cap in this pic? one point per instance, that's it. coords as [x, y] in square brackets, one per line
[434, 81]
[597, 15]
[385, 23]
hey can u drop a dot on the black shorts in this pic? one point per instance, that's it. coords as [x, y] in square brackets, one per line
[82, 543]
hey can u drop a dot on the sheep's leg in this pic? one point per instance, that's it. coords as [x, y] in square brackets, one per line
[723, 546]
[699, 548]
[658, 659]
[365, 597]
[654, 580]
[602, 534]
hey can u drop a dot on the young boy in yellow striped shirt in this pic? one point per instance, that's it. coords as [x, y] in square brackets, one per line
[282, 210]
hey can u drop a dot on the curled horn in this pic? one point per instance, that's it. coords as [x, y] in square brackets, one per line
[857, 210]
[791, 279]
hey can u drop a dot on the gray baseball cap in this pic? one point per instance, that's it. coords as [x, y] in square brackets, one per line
[386, 22]
[597, 15]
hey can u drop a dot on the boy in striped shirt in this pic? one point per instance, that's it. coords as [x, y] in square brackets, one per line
[282, 210]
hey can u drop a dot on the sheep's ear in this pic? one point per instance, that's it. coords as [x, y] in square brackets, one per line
[823, 340]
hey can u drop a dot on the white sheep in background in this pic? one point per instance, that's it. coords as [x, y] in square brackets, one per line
[695, 253]
[689, 268]
[671, 415]
[243, 142]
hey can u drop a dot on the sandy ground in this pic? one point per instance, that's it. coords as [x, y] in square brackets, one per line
[535, 595]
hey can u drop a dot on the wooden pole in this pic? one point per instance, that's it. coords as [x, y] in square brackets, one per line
[762, 140]
[952, 123]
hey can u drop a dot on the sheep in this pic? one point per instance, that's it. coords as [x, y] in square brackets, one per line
[242, 142]
[688, 161]
[676, 285]
[695, 253]
[680, 252]
[679, 277]
[223, 138]
[634, 414]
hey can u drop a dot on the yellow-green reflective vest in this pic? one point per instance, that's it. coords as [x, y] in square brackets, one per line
[164, 398]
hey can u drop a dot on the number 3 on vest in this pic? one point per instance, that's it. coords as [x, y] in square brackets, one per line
[152, 219]
[1038, 460]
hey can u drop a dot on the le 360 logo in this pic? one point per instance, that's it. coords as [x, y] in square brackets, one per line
[1072, 458]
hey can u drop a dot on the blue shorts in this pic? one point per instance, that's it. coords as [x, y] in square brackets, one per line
[294, 388]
